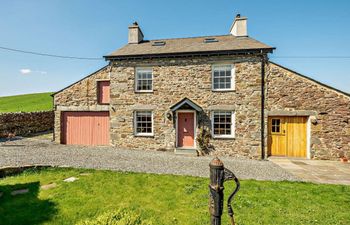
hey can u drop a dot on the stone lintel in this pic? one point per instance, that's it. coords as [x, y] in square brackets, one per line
[221, 107]
[292, 113]
[142, 107]
[84, 108]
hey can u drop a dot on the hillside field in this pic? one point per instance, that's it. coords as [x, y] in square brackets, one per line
[26, 103]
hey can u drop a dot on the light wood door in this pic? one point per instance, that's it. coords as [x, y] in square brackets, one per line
[287, 136]
[296, 136]
[277, 136]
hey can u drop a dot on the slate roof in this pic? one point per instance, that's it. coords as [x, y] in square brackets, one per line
[224, 43]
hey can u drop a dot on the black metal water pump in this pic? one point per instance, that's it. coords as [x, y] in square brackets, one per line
[218, 175]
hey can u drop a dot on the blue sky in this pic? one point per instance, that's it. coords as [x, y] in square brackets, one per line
[87, 28]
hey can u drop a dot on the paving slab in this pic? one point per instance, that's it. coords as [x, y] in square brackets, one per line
[70, 179]
[48, 186]
[317, 171]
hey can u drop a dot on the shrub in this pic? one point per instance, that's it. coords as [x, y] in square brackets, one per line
[203, 139]
[119, 217]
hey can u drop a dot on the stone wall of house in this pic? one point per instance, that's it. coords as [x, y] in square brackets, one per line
[81, 96]
[175, 79]
[25, 123]
[329, 110]
[82, 93]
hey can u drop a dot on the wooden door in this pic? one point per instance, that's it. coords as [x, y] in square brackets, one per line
[85, 128]
[277, 136]
[185, 129]
[287, 136]
[296, 136]
[103, 92]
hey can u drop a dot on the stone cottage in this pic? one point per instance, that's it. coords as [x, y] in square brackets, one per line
[165, 94]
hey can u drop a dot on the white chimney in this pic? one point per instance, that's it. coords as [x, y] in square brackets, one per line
[239, 26]
[135, 34]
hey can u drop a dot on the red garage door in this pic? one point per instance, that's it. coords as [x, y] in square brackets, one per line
[85, 128]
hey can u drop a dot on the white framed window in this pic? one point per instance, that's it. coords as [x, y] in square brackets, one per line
[143, 123]
[223, 124]
[144, 79]
[223, 77]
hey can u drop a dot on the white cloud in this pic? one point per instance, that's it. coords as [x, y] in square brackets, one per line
[28, 71]
[25, 71]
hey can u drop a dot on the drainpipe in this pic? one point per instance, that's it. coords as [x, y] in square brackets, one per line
[54, 115]
[262, 107]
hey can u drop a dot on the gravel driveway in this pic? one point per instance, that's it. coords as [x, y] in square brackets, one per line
[39, 150]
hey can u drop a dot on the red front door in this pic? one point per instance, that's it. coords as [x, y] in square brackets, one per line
[185, 129]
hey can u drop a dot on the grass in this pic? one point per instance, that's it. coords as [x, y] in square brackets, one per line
[26, 103]
[166, 199]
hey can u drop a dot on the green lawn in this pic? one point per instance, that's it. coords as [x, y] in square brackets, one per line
[165, 199]
[26, 103]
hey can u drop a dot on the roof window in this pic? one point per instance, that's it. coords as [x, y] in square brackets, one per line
[158, 43]
[210, 40]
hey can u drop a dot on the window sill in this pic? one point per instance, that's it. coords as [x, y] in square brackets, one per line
[144, 135]
[223, 90]
[144, 92]
[224, 137]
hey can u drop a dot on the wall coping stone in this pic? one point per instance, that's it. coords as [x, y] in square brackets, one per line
[20, 112]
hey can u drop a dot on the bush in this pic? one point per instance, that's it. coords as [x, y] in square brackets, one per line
[203, 139]
[119, 217]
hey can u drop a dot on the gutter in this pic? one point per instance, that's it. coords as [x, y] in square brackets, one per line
[190, 54]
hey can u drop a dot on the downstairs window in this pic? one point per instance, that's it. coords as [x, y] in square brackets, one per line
[223, 124]
[143, 123]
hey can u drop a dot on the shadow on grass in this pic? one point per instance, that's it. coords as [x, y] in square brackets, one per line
[24, 208]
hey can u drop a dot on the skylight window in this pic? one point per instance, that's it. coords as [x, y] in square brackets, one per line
[210, 40]
[158, 43]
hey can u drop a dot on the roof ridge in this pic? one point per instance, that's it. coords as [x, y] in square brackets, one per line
[222, 35]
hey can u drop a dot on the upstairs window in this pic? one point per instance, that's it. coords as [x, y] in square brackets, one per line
[143, 123]
[223, 124]
[223, 77]
[144, 80]
[103, 92]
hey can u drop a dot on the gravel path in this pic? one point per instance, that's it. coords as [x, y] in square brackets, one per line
[42, 151]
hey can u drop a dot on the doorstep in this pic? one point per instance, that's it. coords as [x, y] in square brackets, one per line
[185, 151]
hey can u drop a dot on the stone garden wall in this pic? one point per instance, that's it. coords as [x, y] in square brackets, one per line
[25, 123]
[329, 109]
